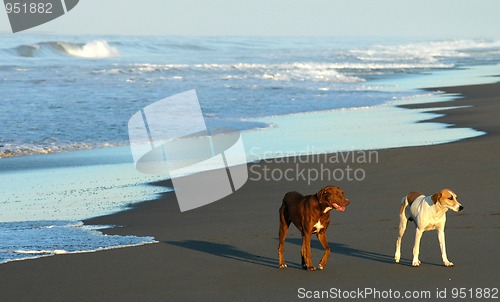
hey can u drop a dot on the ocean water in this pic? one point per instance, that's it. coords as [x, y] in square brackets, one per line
[68, 93]
[42, 238]
[65, 94]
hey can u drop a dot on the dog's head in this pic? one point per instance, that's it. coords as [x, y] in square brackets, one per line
[334, 196]
[447, 198]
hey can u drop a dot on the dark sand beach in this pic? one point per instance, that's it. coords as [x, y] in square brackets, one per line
[227, 251]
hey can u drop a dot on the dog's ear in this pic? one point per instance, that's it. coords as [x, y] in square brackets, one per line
[322, 194]
[435, 198]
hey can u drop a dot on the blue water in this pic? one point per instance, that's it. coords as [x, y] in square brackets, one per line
[66, 93]
[34, 239]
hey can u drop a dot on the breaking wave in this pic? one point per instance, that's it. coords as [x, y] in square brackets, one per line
[278, 72]
[94, 49]
[426, 52]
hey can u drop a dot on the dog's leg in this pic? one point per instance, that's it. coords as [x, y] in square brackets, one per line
[403, 221]
[306, 252]
[303, 254]
[442, 245]
[284, 224]
[324, 243]
[402, 229]
[416, 247]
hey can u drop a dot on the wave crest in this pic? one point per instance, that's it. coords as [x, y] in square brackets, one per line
[94, 49]
[430, 51]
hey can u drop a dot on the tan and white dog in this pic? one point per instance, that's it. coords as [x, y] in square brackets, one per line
[428, 213]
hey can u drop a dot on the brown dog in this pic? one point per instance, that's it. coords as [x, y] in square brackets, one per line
[311, 215]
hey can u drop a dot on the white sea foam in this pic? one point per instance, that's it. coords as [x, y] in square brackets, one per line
[243, 71]
[35, 239]
[10, 150]
[423, 51]
[284, 72]
[92, 49]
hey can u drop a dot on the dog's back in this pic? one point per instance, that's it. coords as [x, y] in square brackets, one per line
[292, 198]
[408, 201]
[290, 205]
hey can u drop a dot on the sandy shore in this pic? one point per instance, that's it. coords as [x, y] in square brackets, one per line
[227, 251]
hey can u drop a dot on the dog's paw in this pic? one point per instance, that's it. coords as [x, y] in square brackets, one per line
[397, 256]
[283, 265]
[449, 264]
[311, 268]
[415, 263]
[321, 267]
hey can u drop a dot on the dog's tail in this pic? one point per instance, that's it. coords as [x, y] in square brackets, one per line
[404, 204]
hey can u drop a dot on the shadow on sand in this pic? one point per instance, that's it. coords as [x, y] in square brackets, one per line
[231, 252]
[342, 249]
[225, 251]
